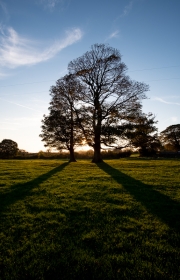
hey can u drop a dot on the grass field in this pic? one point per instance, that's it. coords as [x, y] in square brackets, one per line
[116, 220]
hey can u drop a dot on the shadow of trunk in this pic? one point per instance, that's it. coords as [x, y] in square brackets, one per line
[158, 204]
[20, 191]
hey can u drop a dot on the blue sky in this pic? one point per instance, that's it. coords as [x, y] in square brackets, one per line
[38, 39]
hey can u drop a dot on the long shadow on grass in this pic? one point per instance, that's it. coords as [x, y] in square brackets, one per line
[160, 205]
[20, 191]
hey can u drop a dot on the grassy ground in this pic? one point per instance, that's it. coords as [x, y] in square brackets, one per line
[116, 220]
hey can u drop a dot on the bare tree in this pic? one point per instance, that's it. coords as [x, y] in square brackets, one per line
[110, 94]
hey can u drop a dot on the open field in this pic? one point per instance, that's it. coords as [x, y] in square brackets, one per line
[116, 220]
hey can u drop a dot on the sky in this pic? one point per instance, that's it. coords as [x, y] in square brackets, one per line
[38, 39]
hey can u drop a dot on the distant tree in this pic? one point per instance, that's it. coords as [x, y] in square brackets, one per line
[8, 149]
[142, 134]
[22, 153]
[110, 95]
[170, 137]
[60, 128]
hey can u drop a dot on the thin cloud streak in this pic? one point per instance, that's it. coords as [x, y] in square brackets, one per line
[50, 4]
[114, 34]
[3, 7]
[127, 9]
[16, 50]
[20, 105]
[19, 123]
[166, 102]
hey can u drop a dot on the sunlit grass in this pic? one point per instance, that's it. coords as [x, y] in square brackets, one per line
[115, 220]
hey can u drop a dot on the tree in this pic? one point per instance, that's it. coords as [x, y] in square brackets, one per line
[110, 95]
[171, 137]
[60, 128]
[8, 148]
[142, 134]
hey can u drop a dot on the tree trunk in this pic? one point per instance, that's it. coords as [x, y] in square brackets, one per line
[97, 155]
[72, 156]
[143, 152]
[97, 145]
[97, 119]
[71, 150]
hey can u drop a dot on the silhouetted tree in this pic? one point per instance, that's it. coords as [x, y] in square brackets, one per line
[60, 128]
[110, 95]
[8, 148]
[171, 137]
[142, 134]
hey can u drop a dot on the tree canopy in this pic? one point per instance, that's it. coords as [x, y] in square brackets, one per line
[8, 148]
[93, 103]
[142, 134]
[110, 95]
[171, 136]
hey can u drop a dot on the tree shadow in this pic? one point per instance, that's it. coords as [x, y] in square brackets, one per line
[20, 191]
[158, 204]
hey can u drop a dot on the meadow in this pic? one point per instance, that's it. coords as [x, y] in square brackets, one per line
[119, 219]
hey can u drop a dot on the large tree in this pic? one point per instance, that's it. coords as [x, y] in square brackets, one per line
[171, 137]
[109, 94]
[8, 148]
[60, 128]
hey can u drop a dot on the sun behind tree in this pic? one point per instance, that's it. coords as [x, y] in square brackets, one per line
[110, 95]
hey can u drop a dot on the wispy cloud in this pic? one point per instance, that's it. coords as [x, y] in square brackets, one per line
[166, 102]
[4, 8]
[16, 50]
[114, 34]
[127, 9]
[20, 105]
[50, 4]
[19, 123]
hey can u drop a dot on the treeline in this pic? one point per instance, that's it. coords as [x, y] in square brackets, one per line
[10, 150]
[88, 154]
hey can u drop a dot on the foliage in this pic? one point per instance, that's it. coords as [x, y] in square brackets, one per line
[8, 148]
[142, 134]
[170, 137]
[116, 154]
[110, 96]
[41, 154]
[116, 220]
[22, 153]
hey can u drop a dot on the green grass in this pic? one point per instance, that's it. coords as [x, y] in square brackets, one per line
[116, 220]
